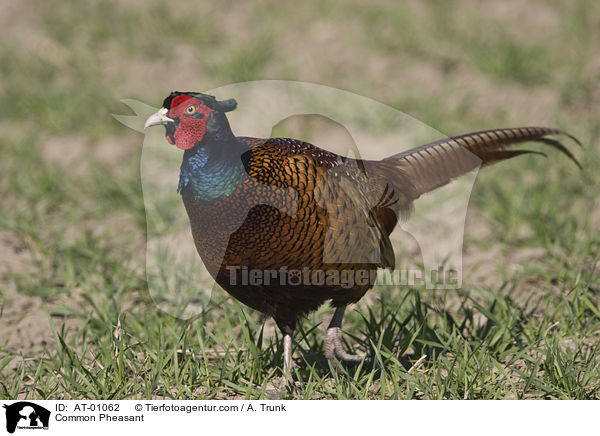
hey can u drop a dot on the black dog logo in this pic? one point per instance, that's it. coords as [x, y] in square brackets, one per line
[26, 415]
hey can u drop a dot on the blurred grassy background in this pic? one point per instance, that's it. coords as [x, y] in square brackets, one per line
[72, 223]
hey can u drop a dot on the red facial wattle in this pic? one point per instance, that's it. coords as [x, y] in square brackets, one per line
[190, 127]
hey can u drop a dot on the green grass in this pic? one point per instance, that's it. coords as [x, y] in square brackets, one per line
[76, 238]
[491, 347]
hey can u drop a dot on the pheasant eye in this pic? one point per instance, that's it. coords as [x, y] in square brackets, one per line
[190, 110]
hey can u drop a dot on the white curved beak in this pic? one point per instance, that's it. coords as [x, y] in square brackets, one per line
[159, 117]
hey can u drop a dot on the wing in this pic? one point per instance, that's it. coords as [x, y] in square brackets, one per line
[337, 200]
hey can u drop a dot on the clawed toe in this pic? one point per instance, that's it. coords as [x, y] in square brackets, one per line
[277, 394]
[334, 348]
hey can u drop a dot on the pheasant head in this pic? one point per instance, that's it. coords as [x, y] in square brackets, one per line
[192, 118]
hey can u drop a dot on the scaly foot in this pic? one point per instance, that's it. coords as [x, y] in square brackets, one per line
[334, 347]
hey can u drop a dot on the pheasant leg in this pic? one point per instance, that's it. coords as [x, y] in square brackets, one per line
[334, 347]
[287, 330]
[287, 363]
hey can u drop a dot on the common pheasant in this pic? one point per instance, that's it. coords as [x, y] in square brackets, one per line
[291, 210]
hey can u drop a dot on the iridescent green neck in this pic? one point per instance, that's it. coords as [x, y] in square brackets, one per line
[212, 171]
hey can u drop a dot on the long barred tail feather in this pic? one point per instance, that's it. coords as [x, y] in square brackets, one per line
[432, 165]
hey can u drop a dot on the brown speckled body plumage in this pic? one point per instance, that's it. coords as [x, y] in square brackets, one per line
[295, 237]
